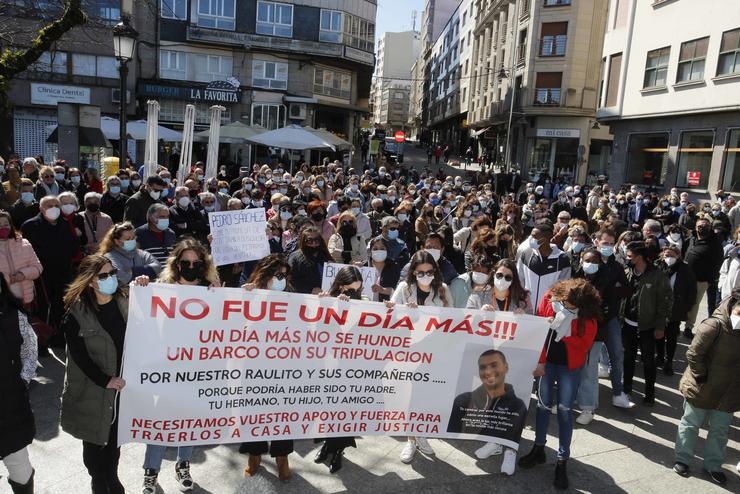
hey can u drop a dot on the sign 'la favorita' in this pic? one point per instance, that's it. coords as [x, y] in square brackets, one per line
[225, 365]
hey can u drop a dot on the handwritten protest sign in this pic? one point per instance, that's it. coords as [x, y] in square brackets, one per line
[368, 277]
[238, 236]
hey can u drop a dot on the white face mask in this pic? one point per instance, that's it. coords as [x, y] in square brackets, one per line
[435, 253]
[735, 320]
[670, 261]
[425, 280]
[183, 202]
[479, 278]
[52, 213]
[278, 285]
[379, 255]
[501, 284]
[154, 194]
[402, 217]
[69, 208]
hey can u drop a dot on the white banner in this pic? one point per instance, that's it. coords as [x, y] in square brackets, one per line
[238, 236]
[369, 275]
[224, 365]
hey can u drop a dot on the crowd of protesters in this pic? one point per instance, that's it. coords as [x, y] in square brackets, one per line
[617, 271]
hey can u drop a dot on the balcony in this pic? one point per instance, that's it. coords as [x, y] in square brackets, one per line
[521, 56]
[524, 10]
[251, 41]
[553, 46]
[547, 97]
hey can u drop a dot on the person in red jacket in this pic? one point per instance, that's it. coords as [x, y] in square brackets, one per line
[573, 308]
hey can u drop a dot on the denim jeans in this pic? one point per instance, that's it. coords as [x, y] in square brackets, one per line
[567, 389]
[716, 443]
[615, 349]
[155, 454]
[588, 390]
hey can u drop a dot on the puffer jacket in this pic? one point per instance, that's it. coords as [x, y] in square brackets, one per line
[18, 255]
[132, 264]
[712, 379]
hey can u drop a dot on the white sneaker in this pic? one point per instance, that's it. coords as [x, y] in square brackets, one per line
[488, 450]
[408, 452]
[622, 401]
[603, 371]
[586, 417]
[182, 475]
[554, 409]
[423, 445]
[508, 466]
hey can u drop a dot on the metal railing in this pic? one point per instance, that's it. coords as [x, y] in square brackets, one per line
[553, 46]
[547, 97]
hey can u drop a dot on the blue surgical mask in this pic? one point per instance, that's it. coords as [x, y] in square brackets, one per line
[75, 179]
[27, 197]
[163, 224]
[125, 183]
[590, 267]
[108, 286]
[129, 245]
[393, 234]
[533, 243]
[59, 177]
[278, 285]
[577, 247]
[606, 250]
[114, 189]
[356, 211]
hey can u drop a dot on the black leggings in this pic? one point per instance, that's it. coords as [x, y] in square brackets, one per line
[102, 464]
[632, 339]
[275, 448]
[666, 346]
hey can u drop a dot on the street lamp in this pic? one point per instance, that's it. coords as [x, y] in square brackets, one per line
[124, 45]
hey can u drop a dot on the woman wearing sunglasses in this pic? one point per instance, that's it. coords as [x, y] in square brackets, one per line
[423, 286]
[189, 264]
[95, 327]
[346, 286]
[270, 274]
[573, 307]
[307, 262]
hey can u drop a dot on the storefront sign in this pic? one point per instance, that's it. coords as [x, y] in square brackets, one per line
[226, 365]
[693, 179]
[215, 92]
[51, 94]
[359, 55]
[573, 133]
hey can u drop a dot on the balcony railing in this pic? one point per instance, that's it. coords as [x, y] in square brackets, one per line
[524, 12]
[547, 97]
[521, 57]
[553, 46]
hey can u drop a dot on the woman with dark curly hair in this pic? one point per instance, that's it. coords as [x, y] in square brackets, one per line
[573, 307]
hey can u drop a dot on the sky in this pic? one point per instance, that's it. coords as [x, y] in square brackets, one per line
[395, 15]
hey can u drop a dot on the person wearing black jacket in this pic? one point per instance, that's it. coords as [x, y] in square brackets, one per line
[185, 218]
[26, 207]
[704, 256]
[18, 354]
[684, 297]
[138, 204]
[388, 271]
[307, 262]
[113, 202]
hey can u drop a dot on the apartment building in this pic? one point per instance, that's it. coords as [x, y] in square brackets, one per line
[535, 85]
[671, 94]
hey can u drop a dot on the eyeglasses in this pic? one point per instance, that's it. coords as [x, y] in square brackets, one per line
[392, 228]
[507, 277]
[190, 264]
[420, 274]
[312, 241]
[281, 275]
[109, 274]
[47, 176]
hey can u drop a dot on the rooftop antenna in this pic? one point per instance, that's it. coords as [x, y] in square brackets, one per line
[413, 20]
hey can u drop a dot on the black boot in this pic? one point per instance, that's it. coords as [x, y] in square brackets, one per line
[534, 457]
[26, 488]
[668, 369]
[322, 454]
[561, 475]
[336, 461]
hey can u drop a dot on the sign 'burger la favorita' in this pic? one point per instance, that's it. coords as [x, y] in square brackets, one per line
[215, 92]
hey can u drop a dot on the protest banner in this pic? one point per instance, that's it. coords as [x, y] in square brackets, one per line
[238, 236]
[368, 277]
[225, 365]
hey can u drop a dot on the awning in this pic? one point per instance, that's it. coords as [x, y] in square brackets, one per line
[300, 99]
[135, 130]
[88, 136]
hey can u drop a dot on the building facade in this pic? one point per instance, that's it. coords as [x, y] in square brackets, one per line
[671, 94]
[535, 84]
[395, 55]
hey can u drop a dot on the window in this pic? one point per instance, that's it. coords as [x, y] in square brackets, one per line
[218, 14]
[554, 38]
[731, 182]
[175, 9]
[271, 75]
[691, 60]
[620, 13]
[83, 64]
[729, 53]
[547, 91]
[555, 3]
[331, 26]
[647, 159]
[359, 33]
[656, 67]
[612, 83]
[695, 159]
[275, 19]
[109, 11]
[270, 116]
[51, 62]
[107, 67]
[208, 68]
[173, 64]
[332, 83]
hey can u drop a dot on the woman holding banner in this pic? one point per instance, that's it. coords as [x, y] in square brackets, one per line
[270, 274]
[347, 285]
[387, 271]
[95, 328]
[573, 307]
[189, 264]
[423, 286]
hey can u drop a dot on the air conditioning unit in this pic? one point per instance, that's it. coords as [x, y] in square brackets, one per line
[115, 96]
[297, 111]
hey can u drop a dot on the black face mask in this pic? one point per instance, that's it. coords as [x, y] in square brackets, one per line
[193, 193]
[93, 207]
[347, 230]
[310, 251]
[353, 293]
[317, 216]
[193, 273]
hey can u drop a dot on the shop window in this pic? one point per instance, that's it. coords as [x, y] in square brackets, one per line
[275, 19]
[656, 67]
[691, 60]
[547, 91]
[729, 53]
[695, 159]
[731, 182]
[647, 159]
